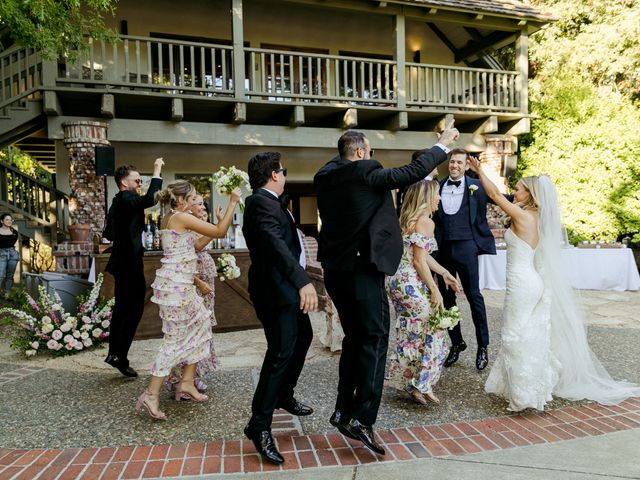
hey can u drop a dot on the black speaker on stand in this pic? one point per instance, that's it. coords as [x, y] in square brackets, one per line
[105, 161]
[105, 166]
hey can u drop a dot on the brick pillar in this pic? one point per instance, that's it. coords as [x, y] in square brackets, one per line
[87, 201]
[498, 147]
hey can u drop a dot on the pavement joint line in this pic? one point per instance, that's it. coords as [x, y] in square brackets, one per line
[61, 464]
[20, 373]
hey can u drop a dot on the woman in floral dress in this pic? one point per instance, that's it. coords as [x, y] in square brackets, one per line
[419, 354]
[205, 287]
[186, 321]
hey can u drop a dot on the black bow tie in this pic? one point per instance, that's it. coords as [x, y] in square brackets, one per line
[454, 182]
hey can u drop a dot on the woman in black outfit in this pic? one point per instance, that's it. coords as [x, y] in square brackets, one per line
[8, 254]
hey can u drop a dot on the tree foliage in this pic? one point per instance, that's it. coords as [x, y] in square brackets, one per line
[56, 27]
[585, 90]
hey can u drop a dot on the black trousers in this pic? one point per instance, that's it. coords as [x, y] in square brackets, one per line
[289, 334]
[361, 301]
[129, 291]
[460, 257]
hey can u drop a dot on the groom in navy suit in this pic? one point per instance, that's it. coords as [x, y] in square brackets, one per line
[463, 233]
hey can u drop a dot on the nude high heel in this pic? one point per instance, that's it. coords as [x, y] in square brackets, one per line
[196, 397]
[145, 400]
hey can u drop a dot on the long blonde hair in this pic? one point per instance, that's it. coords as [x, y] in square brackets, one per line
[174, 191]
[531, 185]
[418, 201]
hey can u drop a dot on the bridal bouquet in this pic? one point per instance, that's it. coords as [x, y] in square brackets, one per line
[442, 319]
[226, 267]
[45, 326]
[228, 178]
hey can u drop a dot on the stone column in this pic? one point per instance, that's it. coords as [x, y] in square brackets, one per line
[499, 149]
[87, 202]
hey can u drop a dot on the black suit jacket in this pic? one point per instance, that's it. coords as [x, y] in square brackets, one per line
[357, 212]
[477, 217]
[125, 223]
[275, 275]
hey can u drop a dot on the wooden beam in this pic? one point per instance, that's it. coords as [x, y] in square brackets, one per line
[297, 116]
[515, 128]
[398, 121]
[475, 47]
[177, 110]
[400, 56]
[443, 38]
[350, 119]
[108, 106]
[239, 113]
[237, 33]
[484, 125]
[50, 103]
[522, 67]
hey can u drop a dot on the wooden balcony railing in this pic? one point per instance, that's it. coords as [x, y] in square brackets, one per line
[37, 201]
[20, 76]
[466, 88]
[163, 65]
[180, 67]
[286, 76]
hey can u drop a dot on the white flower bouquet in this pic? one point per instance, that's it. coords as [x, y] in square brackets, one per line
[45, 326]
[228, 178]
[226, 267]
[442, 319]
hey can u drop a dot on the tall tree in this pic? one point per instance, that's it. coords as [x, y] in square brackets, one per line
[56, 27]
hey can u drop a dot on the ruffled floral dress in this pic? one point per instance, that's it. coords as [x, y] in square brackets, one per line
[207, 272]
[419, 353]
[186, 321]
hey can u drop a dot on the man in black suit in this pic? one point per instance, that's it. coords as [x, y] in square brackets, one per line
[282, 295]
[125, 224]
[360, 241]
[463, 233]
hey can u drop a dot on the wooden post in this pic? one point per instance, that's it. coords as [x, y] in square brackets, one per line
[522, 67]
[238, 49]
[399, 55]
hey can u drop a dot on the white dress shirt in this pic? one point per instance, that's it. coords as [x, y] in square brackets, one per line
[452, 196]
[303, 258]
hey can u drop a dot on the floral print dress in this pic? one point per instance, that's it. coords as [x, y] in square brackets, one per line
[207, 272]
[186, 321]
[419, 353]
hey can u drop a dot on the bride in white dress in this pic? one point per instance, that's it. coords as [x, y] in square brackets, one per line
[544, 342]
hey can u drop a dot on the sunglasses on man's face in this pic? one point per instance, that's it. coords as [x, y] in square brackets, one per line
[283, 170]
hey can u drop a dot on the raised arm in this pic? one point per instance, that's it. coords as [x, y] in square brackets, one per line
[390, 178]
[514, 211]
[189, 222]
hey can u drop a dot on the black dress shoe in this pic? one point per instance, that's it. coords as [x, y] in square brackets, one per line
[265, 444]
[294, 407]
[122, 367]
[339, 421]
[482, 358]
[454, 353]
[365, 435]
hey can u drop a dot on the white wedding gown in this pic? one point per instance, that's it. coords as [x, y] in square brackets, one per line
[525, 370]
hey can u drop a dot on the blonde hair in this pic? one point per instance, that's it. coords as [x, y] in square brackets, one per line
[418, 201]
[531, 185]
[175, 190]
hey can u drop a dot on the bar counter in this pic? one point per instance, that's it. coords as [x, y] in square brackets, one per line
[234, 310]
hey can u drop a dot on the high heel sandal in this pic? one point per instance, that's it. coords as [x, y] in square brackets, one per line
[197, 397]
[417, 396]
[432, 398]
[144, 399]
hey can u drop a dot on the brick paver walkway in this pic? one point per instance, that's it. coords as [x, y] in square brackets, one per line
[300, 452]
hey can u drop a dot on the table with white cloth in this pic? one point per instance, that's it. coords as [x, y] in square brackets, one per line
[588, 268]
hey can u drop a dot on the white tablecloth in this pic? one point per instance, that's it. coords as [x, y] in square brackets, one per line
[589, 269]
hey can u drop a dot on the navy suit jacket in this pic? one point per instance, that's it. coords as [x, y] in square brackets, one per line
[275, 274]
[477, 217]
[357, 212]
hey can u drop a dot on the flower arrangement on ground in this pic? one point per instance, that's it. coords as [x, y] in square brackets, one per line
[442, 319]
[46, 327]
[227, 268]
[228, 178]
